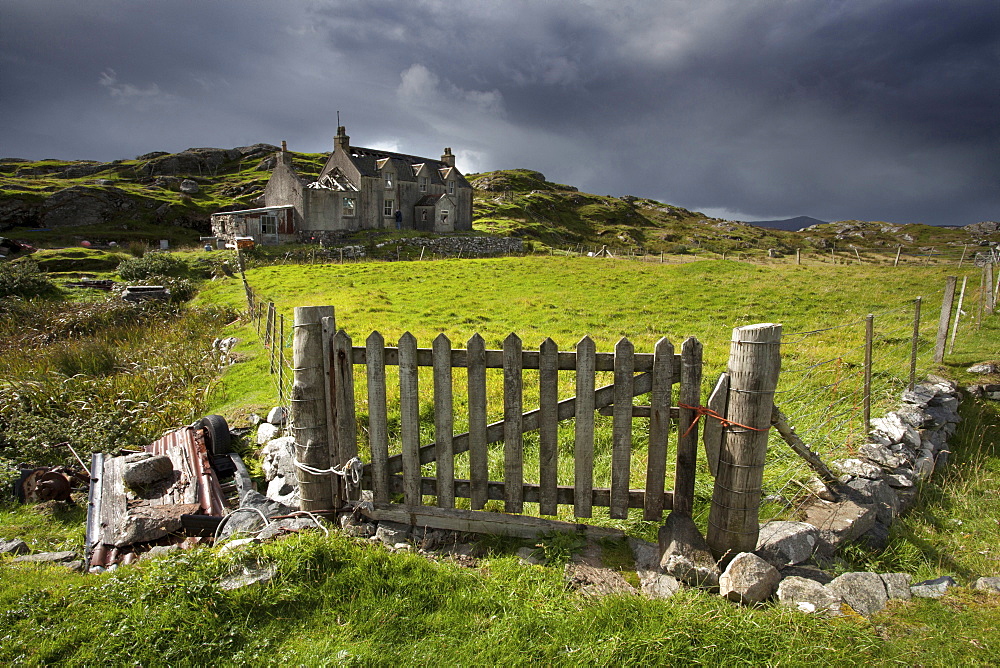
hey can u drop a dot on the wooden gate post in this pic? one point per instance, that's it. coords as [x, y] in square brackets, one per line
[310, 408]
[754, 363]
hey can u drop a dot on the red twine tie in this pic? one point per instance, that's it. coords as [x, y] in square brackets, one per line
[705, 410]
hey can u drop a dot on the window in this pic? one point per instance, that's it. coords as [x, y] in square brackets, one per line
[389, 208]
[269, 225]
[451, 186]
[388, 180]
[444, 215]
[349, 206]
[423, 184]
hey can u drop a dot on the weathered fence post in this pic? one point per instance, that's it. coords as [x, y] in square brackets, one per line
[754, 364]
[309, 408]
[989, 303]
[958, 315]
[915, 341]
[869, 341]
[281, 360]
[945, 319]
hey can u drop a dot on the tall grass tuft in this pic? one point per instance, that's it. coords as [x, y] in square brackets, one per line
[90, 357]
[108, 377]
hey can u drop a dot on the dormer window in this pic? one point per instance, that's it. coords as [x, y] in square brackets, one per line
[423, 184]
[388, 180]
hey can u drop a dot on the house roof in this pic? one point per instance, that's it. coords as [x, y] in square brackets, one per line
[371, 161]
[263, 209]
[429, 200]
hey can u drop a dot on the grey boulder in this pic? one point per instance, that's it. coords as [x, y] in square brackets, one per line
[864, 592]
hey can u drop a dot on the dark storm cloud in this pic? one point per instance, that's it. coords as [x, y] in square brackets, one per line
[850, 109]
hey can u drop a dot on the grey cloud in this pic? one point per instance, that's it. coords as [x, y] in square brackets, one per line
[830, 108]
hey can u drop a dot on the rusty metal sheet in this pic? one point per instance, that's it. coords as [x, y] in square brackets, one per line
[129, 521]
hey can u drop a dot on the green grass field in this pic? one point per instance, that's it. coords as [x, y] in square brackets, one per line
[343, 601]
[822, 310]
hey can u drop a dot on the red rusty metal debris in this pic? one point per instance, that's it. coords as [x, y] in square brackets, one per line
[154, 515]
[49, 483]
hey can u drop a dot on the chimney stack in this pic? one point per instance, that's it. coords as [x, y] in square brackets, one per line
[341, 142]
[448, 158]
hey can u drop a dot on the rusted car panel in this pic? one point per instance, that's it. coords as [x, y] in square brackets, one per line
[123, 522]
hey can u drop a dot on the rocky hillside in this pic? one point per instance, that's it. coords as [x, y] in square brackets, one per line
[171, 195]
[156, 195]
[523, 203]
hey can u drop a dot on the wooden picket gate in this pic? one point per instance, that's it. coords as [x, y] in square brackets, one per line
[388, 476]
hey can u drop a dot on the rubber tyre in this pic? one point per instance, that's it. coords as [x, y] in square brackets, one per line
[217, 438]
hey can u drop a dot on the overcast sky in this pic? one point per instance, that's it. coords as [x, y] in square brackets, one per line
[836, 109]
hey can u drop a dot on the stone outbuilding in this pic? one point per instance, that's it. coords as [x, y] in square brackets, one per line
[357, 189]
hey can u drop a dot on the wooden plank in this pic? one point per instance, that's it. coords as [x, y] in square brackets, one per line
[529, 360]
[687, 441]
[641, 411]
[478, 461]
[712, 428]
[347, 423]
[788, 434]
[659, 429]
[583, 444]
[990, 302]
[945, 319]
[513, 420]
[621, 430]
[113, 502]
[478, 521]
[378, 433]
[548, 426]
[444, 422]
[565, 495]
[603, 396]
[409, 419]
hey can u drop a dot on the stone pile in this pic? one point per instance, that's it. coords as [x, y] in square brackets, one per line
[903, 448]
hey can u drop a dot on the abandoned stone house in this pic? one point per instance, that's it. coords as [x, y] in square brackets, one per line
[357, 189]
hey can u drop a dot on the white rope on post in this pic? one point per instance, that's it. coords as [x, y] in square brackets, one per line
[351, 471]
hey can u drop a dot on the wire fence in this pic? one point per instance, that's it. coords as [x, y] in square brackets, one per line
[835, 376]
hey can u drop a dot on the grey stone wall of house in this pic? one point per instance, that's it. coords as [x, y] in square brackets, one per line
[323, 210]
[285, 187]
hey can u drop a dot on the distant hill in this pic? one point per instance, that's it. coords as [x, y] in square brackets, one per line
[172, 195]
[791, 224]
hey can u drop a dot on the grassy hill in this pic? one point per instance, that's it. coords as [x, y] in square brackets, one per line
[60, 202]
[520, 202]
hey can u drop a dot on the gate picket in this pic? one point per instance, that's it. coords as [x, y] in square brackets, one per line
[621, 444]
[513, 459]
[378, 436]
[478, 464]
[409, 418]
[583, 478]
[659, 428]
[548, 426]
[444, 422]
[687, 441]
